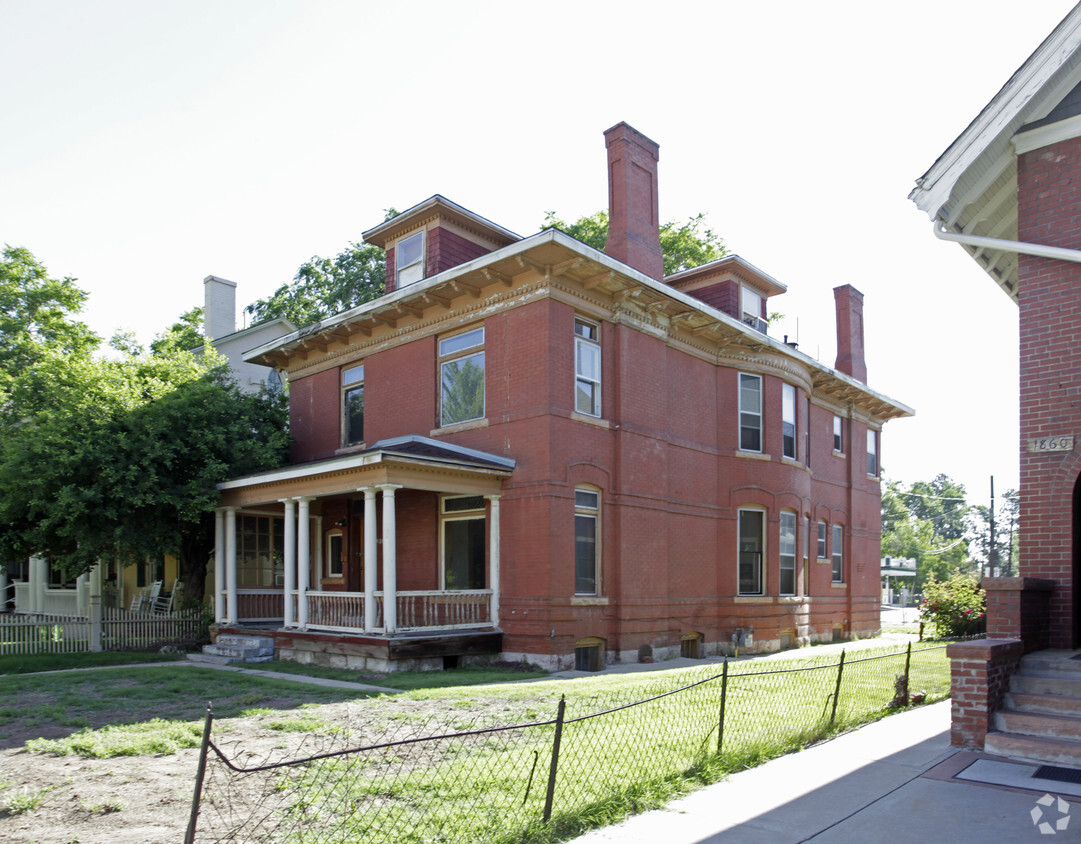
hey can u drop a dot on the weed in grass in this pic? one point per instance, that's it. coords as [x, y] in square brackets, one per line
[155, 736]
[105, 807]
[23, 801]
[258, 710]
[300, 725]
[250, 699]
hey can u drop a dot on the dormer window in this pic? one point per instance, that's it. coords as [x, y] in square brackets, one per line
[409, 259]
[751, 308]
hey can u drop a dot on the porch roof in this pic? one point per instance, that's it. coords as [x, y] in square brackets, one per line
[415, 462]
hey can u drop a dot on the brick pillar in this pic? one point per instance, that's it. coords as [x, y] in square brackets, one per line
[1019, 608]
[980, 673]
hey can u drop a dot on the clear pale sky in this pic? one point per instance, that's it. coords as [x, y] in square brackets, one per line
[145, 145]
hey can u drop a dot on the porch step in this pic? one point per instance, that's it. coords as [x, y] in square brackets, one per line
[1053, 751]
[1041, 720]
[237, 648]
[1038, 724]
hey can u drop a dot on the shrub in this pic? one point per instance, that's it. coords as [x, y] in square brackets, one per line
[956, 607]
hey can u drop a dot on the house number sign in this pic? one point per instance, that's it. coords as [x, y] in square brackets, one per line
[1059, 443]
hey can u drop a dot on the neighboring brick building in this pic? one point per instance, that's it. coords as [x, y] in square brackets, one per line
[1008, 189]
[554, 453]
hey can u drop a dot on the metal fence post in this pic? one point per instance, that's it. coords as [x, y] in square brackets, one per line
[724, 694]
[555, 759]
[837, 690]
[908, 664]
[200, 773]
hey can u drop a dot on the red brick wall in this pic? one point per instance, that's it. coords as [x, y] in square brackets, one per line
[1049, 193]
[447, 249]
[665, 456]
[723, 296]
[315, 416]
[979, 679]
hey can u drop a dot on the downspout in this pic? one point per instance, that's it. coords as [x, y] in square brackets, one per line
[1039, 250]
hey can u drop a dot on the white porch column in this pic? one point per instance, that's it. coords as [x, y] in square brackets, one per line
[371, 558]
[82, 594]
[290, 540]
[93, 610]
[4, 596]
[230, 566]
[219, 565]
[39, 574]
[390, 560]
[304, 564]
[493, 556]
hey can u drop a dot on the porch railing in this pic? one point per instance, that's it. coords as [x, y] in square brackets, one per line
[259, 604]
[416, 610]
[421, 610]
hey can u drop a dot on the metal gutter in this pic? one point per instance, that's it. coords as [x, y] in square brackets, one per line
[1057, 253]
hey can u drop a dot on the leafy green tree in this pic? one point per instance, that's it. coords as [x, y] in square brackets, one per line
[927, 522]
[123, 459]
[182, 336]
[37, 315]
[326, 286]
[1006, 516]
[683, 245]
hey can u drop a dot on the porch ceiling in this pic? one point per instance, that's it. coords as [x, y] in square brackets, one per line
[413, 463]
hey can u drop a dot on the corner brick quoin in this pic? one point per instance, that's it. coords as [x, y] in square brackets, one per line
[979, 679]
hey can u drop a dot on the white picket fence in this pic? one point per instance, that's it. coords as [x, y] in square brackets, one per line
[115, 630]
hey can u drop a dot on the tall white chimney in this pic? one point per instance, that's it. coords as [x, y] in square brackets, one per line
[219, 307]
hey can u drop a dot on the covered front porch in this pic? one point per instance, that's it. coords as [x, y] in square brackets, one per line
[399, 541]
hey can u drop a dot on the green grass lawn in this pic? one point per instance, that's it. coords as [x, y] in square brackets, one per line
[483, 786]
[31, 663]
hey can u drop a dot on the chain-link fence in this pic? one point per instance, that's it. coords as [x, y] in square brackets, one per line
[594, 759]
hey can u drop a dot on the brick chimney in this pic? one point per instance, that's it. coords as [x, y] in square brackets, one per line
[849, 302]
[219, 307]
[634, 229]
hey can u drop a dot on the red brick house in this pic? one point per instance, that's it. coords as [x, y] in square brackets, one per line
[1008, 190]
[533, 448]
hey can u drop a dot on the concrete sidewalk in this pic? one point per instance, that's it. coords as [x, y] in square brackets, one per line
[894, 780]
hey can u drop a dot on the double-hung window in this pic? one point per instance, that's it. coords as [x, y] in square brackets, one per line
[838, 554]
[821, 540]
[461, 376]
[788, 420]
[587, 368]
[787, 549]
[587, 511]
[751, 549]
[872, 453]
[750, 412]
[751, 308]
[838, 439]
[409, 259]
[353, 405]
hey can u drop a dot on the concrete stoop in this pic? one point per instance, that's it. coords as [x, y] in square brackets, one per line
[1041, 719]
[235, 648]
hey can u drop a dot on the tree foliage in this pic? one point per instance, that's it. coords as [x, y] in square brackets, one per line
[182, 336]
[927, 522]
[683, 245]
[123, 459]
[37, 315]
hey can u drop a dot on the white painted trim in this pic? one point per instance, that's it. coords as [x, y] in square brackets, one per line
[1044, 136]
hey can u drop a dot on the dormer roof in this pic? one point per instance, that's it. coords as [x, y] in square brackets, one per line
[728, 268]
[439, 208]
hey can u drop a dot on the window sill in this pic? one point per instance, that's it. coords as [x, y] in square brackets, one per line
[588, 601]
[793, 462]
[874, 478]
[591, 420]
[824, 560]
[753, 455]
[791, 599]
[840, 454]
[333, 581]
[753, 599]
[459, 426]
[836, 585]
[350, 449]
